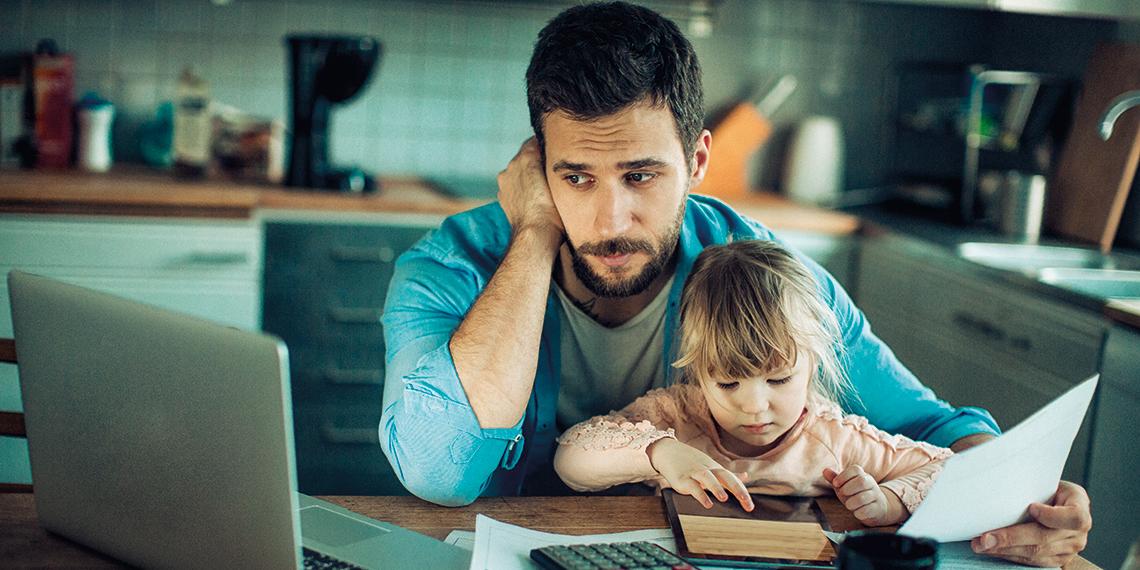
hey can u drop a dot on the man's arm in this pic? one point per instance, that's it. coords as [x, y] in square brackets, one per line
[460, 373]
[887, 393]
[894, 400]
[496, 348]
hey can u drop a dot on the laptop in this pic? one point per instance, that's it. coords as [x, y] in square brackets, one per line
[166, 441]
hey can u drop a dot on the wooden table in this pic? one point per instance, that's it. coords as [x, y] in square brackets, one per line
[24, 544]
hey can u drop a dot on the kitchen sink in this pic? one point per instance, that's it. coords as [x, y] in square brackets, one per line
[1101, 283]
[1024, 257]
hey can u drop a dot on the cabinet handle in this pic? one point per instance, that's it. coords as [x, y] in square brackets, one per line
[217, 258]
[354, 254]
[978, 326]
[356, 315]
[367, 376]
[334, 434]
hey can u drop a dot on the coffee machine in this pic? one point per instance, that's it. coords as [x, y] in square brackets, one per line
[324, 71]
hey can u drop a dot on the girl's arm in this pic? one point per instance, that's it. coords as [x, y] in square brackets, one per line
[900, 470]
[612, 449]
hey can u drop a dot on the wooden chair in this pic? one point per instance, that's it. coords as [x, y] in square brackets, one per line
[11, 423]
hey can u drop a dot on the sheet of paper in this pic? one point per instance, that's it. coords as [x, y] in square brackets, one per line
[958, 556]
[502, 546]
[991, 486]
[464, 539]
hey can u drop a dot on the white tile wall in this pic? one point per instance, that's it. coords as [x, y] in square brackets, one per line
[448, 95]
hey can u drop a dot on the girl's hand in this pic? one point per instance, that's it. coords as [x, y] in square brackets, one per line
[690, 471]
[863, 496]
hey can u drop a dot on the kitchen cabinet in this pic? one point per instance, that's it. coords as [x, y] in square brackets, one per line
[977, 341]
[1114, 463]
[207, 268]
[325, 284]
[1111, 9]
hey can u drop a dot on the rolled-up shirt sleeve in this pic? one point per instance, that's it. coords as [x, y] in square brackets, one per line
[428, 429]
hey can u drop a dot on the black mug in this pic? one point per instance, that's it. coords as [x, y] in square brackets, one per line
[876, 550]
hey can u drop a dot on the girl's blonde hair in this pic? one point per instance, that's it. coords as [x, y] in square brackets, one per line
[747, 308]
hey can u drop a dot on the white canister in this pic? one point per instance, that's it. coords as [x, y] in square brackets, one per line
[95, 117]
[813, 168]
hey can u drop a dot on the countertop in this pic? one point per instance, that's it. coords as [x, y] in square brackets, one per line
[946, 236]
[138, 191]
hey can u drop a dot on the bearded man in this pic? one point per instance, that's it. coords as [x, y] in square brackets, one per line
[558, 302]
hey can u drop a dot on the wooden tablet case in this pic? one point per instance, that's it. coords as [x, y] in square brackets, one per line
[780, 531]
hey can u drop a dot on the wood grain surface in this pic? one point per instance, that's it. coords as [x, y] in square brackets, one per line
[134, 191]
[1093, 177]
[24, 544]
[736, 537]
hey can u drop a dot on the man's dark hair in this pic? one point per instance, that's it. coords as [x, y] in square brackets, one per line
[594, 60]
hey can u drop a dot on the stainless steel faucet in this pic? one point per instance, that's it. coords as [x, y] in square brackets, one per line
[1119, 105]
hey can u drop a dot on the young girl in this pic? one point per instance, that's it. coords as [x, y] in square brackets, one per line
[756, 403]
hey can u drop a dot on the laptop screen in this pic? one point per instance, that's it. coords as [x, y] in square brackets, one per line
[158, 438]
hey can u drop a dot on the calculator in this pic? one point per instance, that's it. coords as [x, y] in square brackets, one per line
[641, 555]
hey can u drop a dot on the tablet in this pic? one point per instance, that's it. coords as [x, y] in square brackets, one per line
[779, 532]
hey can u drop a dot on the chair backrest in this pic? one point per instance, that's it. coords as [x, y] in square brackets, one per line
[11, 423]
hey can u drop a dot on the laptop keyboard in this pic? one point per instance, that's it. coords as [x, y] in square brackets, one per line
[316, 561]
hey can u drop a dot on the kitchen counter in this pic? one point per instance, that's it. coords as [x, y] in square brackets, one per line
[142, 192]
[1126, 311]
[944, 237]
[132, 191]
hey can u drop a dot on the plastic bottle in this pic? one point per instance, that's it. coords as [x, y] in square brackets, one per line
[192, 126]
[95, 115]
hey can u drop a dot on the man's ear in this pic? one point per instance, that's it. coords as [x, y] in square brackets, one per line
[699, 162]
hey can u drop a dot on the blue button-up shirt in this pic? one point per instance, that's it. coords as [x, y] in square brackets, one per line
[430, 433]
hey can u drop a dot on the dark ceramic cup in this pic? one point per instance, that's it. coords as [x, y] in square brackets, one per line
[875, 550]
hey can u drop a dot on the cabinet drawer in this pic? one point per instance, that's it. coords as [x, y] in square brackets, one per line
[319, 371]
[356, 258]
[329, 282]
[936, 300]
[338, 452]
[1047, 335]
[325, 286]
[208, 247]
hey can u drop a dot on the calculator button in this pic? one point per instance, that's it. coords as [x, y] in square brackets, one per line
[616, 556]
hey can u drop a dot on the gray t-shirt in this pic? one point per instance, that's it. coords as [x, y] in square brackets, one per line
[606, 368]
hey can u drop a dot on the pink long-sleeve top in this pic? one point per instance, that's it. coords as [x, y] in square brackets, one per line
[609, 450]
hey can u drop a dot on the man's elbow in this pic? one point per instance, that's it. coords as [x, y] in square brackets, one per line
[429, 476]
[434, 482]
[432, 492]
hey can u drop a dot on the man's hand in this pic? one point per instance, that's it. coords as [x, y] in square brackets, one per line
[1058, 532]
[525, 195]
[962, 444]
[863, 496]
[690, 471]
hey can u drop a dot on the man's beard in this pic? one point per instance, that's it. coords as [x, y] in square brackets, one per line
[659, 256]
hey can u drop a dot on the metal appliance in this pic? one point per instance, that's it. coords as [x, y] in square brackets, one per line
[324, 71]
[955, 123]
